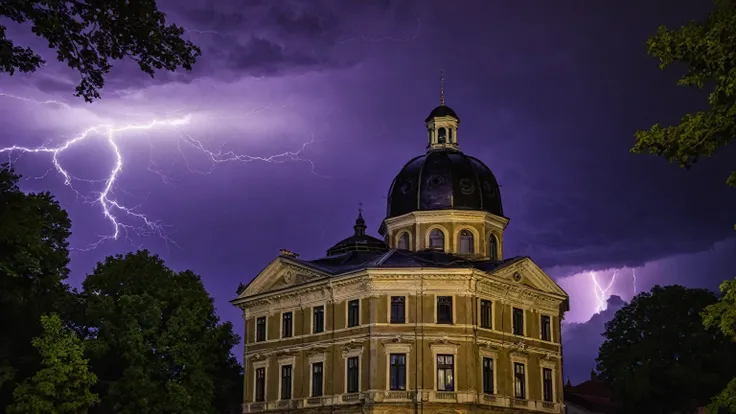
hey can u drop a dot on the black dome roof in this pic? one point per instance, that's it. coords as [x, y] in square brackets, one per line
[441, 110]
[358, 241]
[444, 179]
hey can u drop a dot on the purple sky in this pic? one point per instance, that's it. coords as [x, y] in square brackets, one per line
[549, 98]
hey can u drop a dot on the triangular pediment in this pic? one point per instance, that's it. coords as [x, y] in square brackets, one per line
[526, 272]
[281, 273]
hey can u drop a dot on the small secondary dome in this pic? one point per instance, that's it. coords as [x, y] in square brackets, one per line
[358, 241]
[441, 111]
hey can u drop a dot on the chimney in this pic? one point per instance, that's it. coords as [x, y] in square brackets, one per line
[288, 253]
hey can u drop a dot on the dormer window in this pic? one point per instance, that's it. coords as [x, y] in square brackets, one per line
[404, 241]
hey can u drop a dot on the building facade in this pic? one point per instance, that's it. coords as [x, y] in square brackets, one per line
[432, 319]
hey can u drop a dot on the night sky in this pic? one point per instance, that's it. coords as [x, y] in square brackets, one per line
[549, 93]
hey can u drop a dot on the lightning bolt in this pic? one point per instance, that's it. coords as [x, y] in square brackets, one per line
[601, 294]
[633, 277]
[112, 210]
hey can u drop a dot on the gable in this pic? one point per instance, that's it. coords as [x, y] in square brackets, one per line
[280, 274]
[527, 273]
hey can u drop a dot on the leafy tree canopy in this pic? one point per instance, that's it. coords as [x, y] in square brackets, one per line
[657, 355]
[33, 266]
[88, 35]
[63, 384]
[722, 316]
[155, 342]
[708, 48]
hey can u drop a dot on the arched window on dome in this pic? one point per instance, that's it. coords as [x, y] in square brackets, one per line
[404, 241]
[442, 135]
[466, 243]
[437, 239]
[493, 247]
[452, 139]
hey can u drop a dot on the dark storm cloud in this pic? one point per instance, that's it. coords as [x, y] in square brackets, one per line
[580, 342]
[261, 57]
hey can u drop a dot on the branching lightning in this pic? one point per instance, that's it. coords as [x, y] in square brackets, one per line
[118, 215]
[633, 281]
[601, 294]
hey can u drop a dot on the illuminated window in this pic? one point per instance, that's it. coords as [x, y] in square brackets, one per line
[519, 380]
[445, 373]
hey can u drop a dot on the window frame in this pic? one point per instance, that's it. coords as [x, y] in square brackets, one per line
[291, 324]
[485, 385]
[525, 384]
[445, 239]
[473, 241]
[312, 319]
[553, 368]
[348, 314]
[442, 349]
[312, 365]
[493, 243]
[481, 313]
[401, 234]
[258, 365]
[437, 309]
[258, 328]
[348, 372]
[390, 310]
[286, 361]
[513, 321]
[444, 370]
[398, 348]
[541, 327]
[492, 355]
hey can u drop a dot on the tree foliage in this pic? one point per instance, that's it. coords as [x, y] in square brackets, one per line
[88, 35]
[155, 342]
[63, 384]
[657, 355]
[708, 48]
[33, 266]
[722, 316]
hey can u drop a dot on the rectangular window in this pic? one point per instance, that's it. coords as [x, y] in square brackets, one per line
[353, 313]
[486, 314]
[353, 374]
[397, 309]
[317, 376]
[260, 384]
[444, 309]
[518, 315]
[547, 384]
[261, 329]
[546, 328]
[487, 376]
[397, 372]
[445, 373]
[287, 324]
[519, 381]
[286, 382]
[318, 319]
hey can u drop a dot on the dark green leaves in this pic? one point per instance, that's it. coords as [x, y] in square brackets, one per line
[88, 35]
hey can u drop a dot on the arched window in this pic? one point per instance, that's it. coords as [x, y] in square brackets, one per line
[465, 244]
[493, 247]
[441, 136]
[404, 241]
[437, 239]
[451, 137]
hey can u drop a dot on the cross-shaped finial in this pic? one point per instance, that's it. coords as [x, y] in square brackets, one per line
[360, 207]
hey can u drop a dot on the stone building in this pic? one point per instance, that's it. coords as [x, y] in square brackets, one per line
[431, 319]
